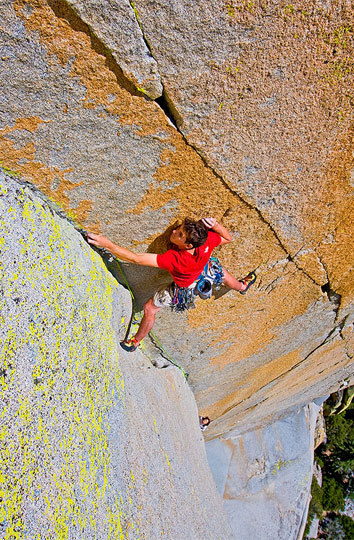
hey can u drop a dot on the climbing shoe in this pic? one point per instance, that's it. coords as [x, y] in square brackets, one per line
[248, 281]
[129, 345]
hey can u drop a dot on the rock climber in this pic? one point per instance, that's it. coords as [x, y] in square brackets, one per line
[204, 421]
[191, 265]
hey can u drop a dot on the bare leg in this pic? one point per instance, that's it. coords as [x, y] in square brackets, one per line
[147, 322]
[232, 282]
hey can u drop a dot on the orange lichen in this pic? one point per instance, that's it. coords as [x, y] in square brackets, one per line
[259, 377]
[185, 172]
[22, 160]
[337, 248]
[29, 124]
[91, 66]
[248, 324]
[98, 75]
[290, 381]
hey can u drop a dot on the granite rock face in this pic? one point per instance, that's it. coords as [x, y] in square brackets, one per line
[264, 476]
[117, 27]
[92, 439]
[260, 96]
[262, 91]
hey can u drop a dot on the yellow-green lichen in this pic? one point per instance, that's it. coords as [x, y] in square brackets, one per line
[279, 465]
[9, 171]
[59, 379]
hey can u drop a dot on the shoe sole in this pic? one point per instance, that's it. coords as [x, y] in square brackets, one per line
[128, 348]
[250, 283]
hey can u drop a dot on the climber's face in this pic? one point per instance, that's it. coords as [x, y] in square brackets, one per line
[178, 238]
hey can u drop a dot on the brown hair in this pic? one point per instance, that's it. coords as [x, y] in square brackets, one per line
[196, 233]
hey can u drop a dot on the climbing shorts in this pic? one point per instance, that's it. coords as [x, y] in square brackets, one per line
[164, 296]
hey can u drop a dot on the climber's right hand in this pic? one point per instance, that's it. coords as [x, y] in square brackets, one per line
[99, 240]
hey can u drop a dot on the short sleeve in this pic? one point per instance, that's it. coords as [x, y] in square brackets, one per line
[214, 239]
[165, 261]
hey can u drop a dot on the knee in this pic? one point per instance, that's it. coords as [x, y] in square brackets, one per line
[150, 309]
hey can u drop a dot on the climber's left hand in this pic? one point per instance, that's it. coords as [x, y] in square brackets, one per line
[209, 222]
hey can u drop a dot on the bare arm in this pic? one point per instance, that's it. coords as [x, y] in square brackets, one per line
[212, 224]
[143, 259]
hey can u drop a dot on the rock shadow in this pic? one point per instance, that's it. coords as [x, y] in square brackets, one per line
[143, 281]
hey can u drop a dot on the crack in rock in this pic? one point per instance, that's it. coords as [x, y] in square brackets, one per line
[172, 114]
[71, 11]
[335, 299]
[336, 331]
[167, 106]
[250, 206]
[115, 34]
[163, 101]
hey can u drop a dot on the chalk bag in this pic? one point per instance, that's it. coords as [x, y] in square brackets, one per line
[204, 287]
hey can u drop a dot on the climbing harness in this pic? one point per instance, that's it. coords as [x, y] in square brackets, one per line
[183, 298]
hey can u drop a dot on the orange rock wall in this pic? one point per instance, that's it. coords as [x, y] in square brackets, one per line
[261, 96]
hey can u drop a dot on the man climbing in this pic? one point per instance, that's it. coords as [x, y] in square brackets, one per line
[204, 421]
[190, 264]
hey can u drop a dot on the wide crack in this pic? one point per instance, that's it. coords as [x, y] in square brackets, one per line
[335, 299]
[163, 102]
[66, 12]
[167, 109]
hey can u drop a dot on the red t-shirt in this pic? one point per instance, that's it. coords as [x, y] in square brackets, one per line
[185, 267]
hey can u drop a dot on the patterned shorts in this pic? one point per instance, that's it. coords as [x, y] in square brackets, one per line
[164, 296]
